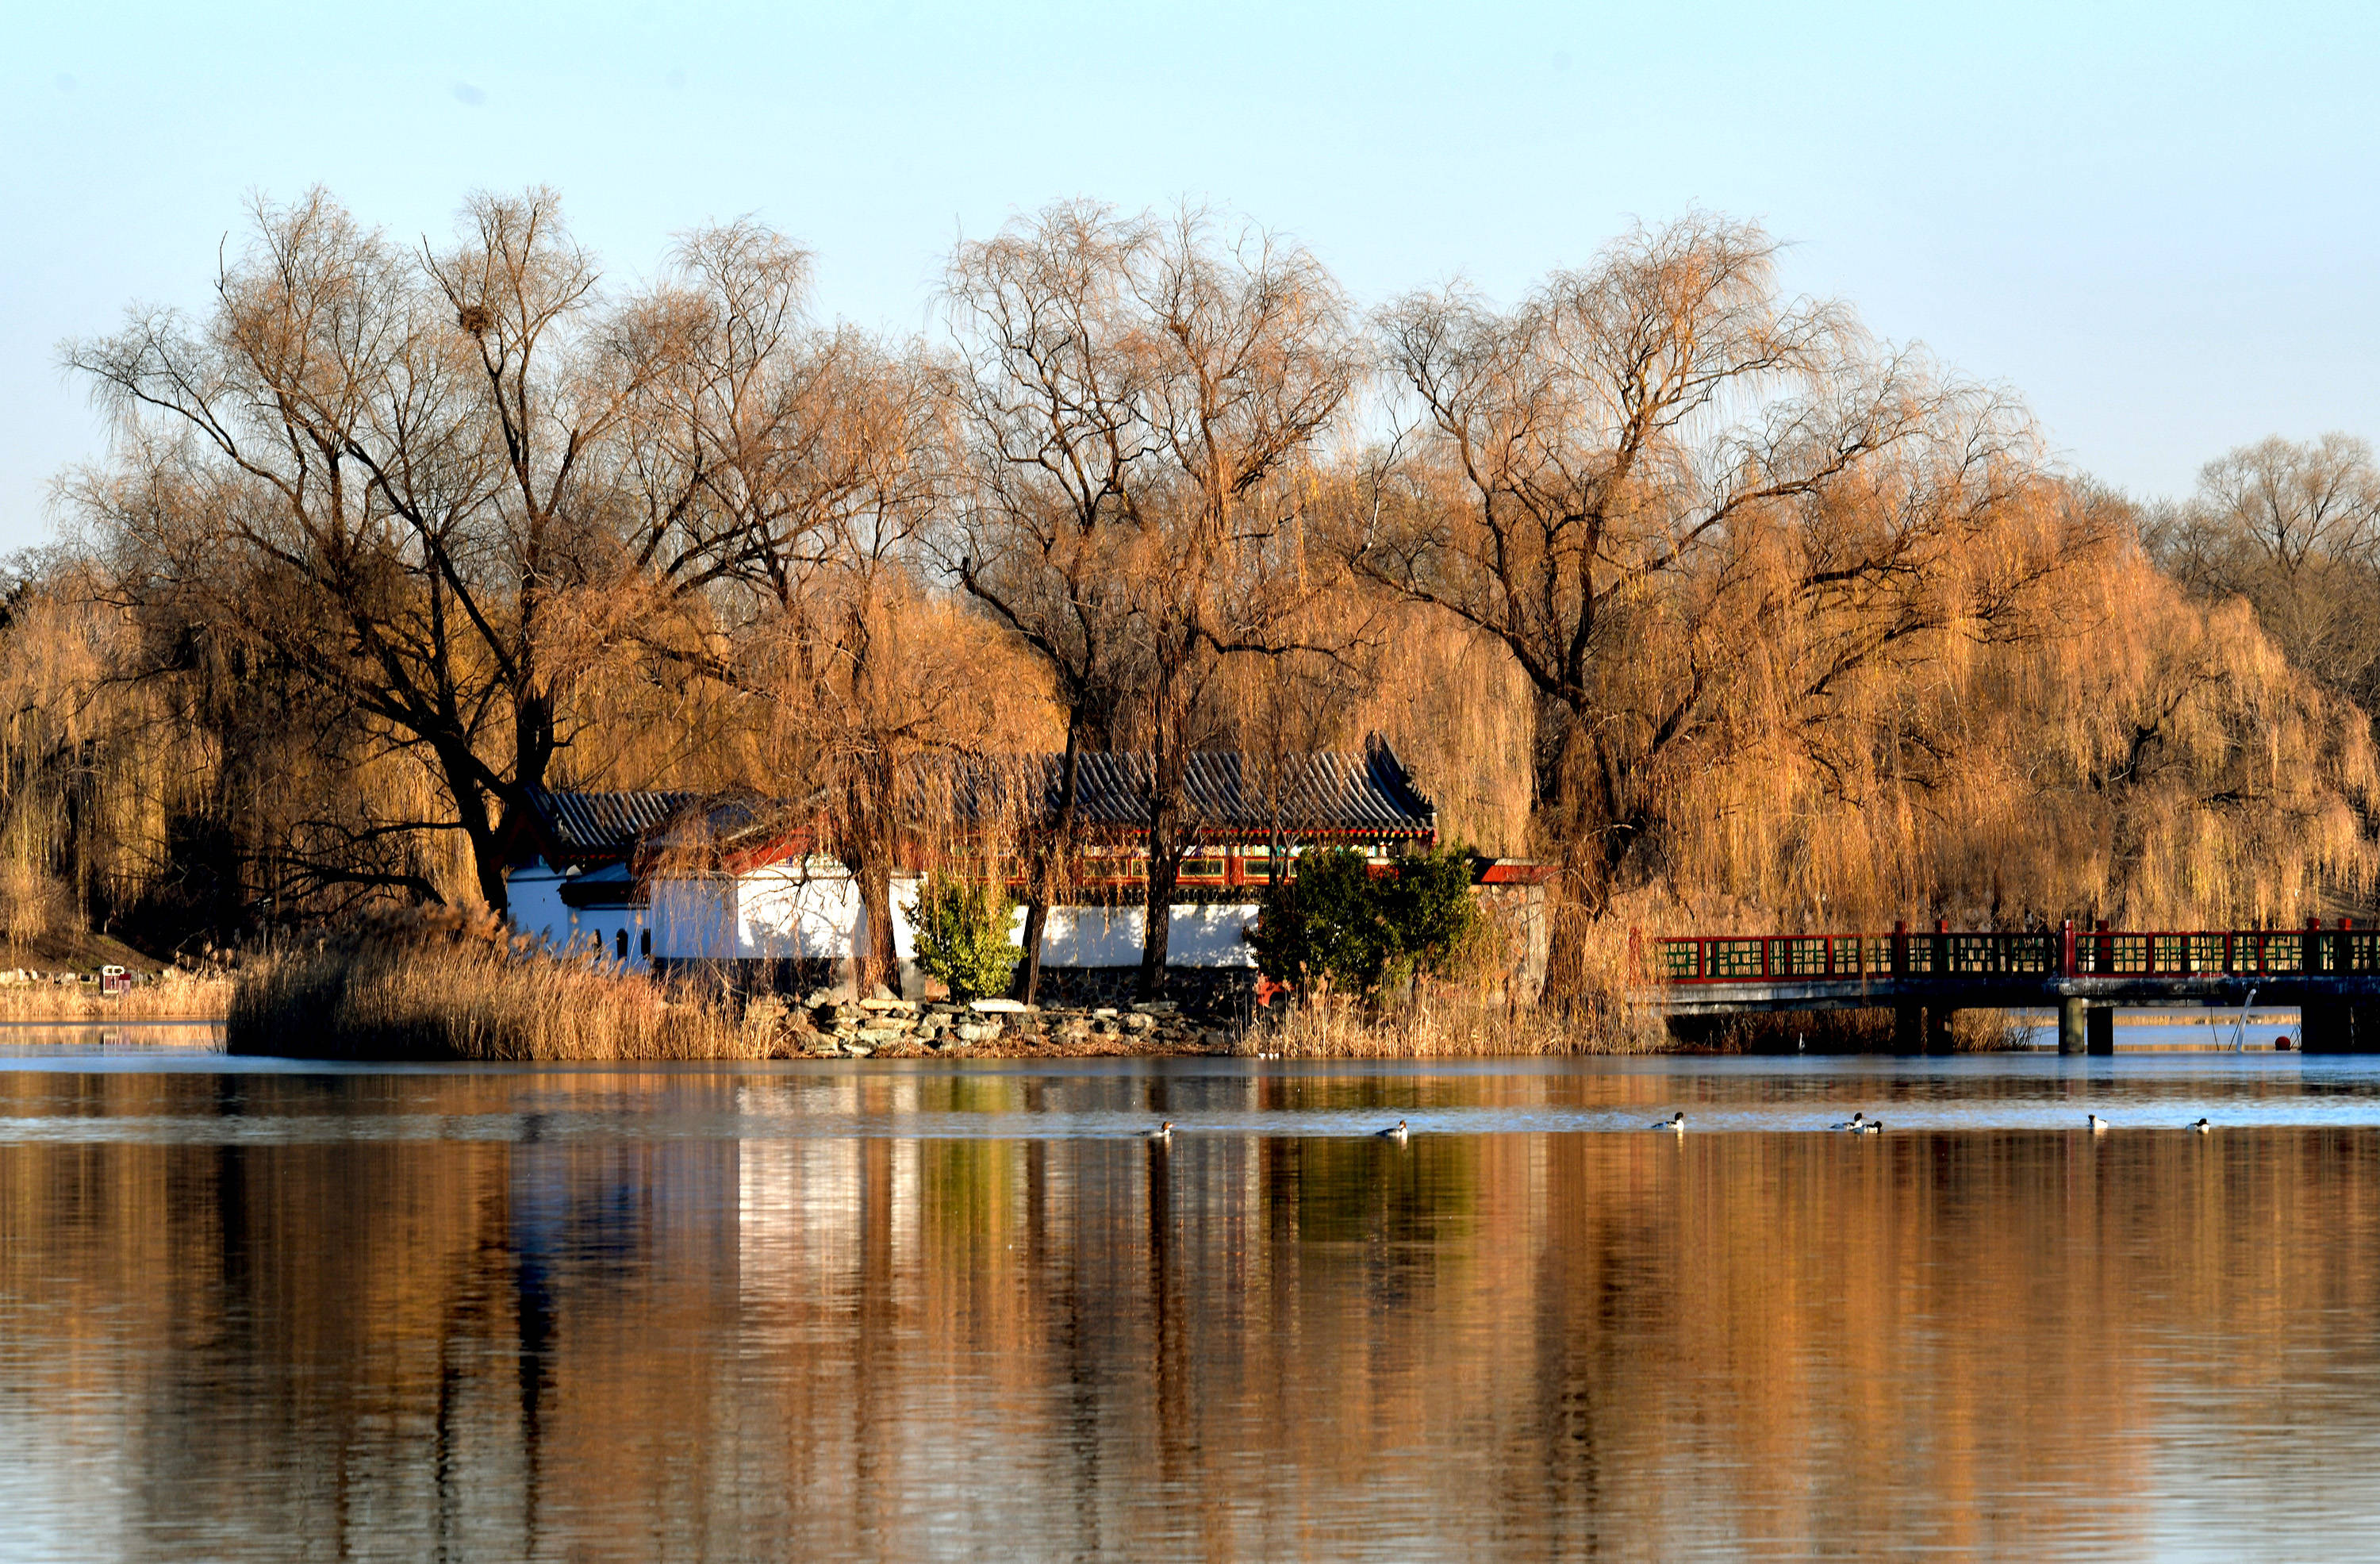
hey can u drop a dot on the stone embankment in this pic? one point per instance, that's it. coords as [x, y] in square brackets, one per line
[825, 1027]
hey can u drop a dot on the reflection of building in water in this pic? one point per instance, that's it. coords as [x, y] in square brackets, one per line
[802, 1212]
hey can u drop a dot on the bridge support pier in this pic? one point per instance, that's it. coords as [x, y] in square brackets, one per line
[2070, 1025]
[1909, 1029]
[2099, 1030]
[2339, 1026]
[1937, 1029]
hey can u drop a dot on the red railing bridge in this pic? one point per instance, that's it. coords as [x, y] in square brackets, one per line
[2332, 973]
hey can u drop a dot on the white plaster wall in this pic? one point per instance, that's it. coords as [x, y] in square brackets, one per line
[535, 895]
[1110, 936]
[788, 910]
[692, 918]
[768, 915]
[1088, 936]
[538, 909]
[782, 911]
[1209, 935]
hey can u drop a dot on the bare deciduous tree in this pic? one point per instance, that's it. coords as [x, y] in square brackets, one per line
[2294, 529]
[1142, 396]
[1651, 481]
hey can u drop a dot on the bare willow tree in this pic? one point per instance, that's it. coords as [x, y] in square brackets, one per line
[391, 471]
[2294, 529]
[785, 476]
[1655, 474]
[1141, 397]
[868, 676]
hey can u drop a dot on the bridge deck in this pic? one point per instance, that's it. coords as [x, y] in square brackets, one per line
[1736, 999]
[1726, 974]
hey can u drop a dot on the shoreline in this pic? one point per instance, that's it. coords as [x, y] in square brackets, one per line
[177, 1019]
[823, 1029]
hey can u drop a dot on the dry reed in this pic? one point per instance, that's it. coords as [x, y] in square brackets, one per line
[1848, 1032]
[1450, 1022]
[454, 988]
[171, 998]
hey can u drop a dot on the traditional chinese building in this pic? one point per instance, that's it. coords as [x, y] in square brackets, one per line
[651, 878]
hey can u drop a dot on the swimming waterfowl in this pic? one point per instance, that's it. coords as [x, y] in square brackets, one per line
[1868, 1127]
[1395, 1132]
[1676, 1121]
[2099, 1125]
[2203, 1128]
[1164, 1131]
[1852, 1123]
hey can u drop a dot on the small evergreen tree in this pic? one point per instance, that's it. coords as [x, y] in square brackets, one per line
[1324, 923]
[1337, 921]
[1427, 904]
[964, 934]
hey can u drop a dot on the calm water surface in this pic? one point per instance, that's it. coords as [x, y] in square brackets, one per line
[254, 1310]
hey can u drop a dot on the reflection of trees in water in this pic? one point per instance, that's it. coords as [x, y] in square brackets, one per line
[1239, 1346]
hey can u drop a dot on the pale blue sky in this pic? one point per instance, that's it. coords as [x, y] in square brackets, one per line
[2156, 222]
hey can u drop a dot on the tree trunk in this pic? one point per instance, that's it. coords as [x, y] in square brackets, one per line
[1596, 838]
[1045, 857]
[533, 738]
[1028, 972]
[1164, 865]
[877, 962]
[1163, 869]
[487, 850]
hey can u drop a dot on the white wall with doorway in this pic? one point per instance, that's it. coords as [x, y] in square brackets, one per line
[619, 934]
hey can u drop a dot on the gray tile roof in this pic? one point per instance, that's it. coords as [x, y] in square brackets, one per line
[603, 824]
[1366, 794]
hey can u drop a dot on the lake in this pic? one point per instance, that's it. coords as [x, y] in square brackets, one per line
[259, 1310]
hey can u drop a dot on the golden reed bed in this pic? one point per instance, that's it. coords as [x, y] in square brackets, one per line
[178, 998]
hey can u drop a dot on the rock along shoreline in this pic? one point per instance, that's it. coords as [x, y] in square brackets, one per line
[824, 1027]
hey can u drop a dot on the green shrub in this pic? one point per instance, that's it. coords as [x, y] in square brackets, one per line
[964, 934]
[1337, 922]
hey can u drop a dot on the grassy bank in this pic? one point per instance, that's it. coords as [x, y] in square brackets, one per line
[174, 995]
